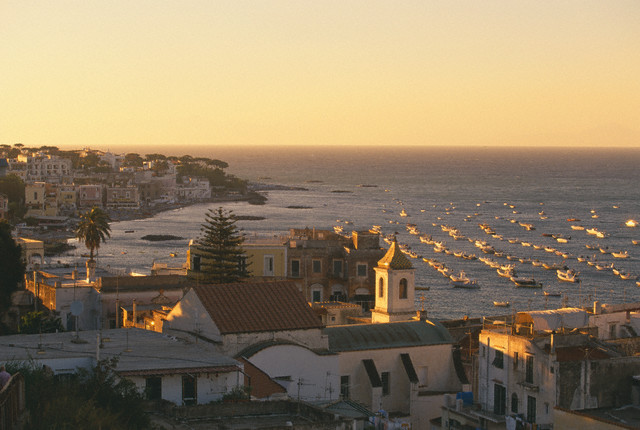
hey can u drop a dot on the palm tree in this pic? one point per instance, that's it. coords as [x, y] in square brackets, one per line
[93, 228]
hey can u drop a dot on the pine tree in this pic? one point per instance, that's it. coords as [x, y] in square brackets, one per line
[221, 248]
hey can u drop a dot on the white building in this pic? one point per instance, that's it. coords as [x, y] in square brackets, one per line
[268, 324]
[46, 167]
[193, 189]
[162, 367]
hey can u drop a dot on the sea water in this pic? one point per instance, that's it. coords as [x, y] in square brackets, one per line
[358, 187]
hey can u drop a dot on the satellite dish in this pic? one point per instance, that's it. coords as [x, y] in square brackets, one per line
[76, 308]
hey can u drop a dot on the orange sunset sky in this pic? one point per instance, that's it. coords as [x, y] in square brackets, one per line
[153, 73]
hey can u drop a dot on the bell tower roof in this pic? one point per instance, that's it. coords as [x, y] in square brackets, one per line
[395, 258]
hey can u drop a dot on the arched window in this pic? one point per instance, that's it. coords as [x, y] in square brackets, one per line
[514, 403]
[381, 287]
[402, 292]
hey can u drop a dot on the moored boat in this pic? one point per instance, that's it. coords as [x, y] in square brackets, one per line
[507, 271]
[568, 275]
[620, 254]
[525, 282]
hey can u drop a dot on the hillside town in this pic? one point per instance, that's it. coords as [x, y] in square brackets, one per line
[313, 330]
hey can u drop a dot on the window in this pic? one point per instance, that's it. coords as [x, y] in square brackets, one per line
[242, 265]
[196, 263]
[381, 287]
[499, 399]
[531, 409]
[344, 386]
[529, 370]
[317, 266]
[402, 291]
[268, 265]
[316, 295]
[498, 360]
[384, 378]
[189, 396]
[362, 270]
[295, 268]
[153, 388]
[337, 268]
[612, 331]
[515, 360]
[514, 403]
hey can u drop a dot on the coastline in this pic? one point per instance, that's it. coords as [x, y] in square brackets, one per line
[117, 215]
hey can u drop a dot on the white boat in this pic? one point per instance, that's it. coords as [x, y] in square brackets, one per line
[620, 254]
[568, 275]
[507, 271]
[553, 266]
[468, 283]
[625, 275]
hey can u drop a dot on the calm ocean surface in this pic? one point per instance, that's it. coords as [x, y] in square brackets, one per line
[458, 187]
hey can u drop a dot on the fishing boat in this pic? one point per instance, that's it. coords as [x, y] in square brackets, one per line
[551, 294]
[507, 271]
[462, 281]
[525, 282]
[501, 304]
[620, 254]
[553, 266]
[568, 275]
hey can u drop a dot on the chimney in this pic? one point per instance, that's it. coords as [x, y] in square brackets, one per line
[91, 270]
[597, 308]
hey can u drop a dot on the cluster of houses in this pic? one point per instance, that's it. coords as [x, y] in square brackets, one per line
[54, 189]
[329, 320]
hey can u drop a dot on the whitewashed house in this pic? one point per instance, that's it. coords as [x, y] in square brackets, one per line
[162, 367]
[270, 325]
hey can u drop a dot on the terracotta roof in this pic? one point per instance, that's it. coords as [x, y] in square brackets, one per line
[395, 259]
[257, 306]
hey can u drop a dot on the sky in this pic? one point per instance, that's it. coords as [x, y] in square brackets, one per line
[145, 74]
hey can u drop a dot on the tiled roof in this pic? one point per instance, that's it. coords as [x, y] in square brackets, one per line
[395, 259]
[360, 337]
[257, 306]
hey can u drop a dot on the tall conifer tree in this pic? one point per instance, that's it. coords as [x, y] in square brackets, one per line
[221, 248]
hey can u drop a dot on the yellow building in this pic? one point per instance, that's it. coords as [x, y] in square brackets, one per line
[265, 258]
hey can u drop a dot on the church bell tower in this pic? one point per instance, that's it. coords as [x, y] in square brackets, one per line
[395, 288]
